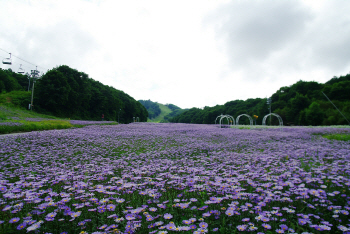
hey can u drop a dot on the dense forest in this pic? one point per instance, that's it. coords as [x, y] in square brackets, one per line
[152, 108]
[302, 103]
[68, 93]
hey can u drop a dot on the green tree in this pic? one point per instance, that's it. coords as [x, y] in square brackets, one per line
[314, 114]
[52, 93]
[296, 105]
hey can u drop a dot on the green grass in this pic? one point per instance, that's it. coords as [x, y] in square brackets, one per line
[8, 112]
[28, 126]
[339, 137]
[164, 111]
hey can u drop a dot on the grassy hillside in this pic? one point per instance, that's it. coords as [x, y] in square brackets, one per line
[8, 110]
[164, 111]
[14, 118]
[160, 113]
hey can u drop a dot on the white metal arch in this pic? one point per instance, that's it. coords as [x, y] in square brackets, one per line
[279, 119]
[250, 119]
[219, 116]
[230, 119]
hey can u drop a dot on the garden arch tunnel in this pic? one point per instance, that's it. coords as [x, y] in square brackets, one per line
[250, 119]
[279, 119]
[229, 118]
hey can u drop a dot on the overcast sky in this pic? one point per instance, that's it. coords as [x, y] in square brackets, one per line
[191, 53]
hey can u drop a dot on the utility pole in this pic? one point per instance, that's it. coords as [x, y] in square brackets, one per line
[34, 74]
[269, 103]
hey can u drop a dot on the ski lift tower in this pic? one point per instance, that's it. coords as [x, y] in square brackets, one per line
[35, 75]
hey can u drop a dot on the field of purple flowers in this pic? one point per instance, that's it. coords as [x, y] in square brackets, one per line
[165, 178]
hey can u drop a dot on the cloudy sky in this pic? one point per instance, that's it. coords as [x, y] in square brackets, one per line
[191, 53]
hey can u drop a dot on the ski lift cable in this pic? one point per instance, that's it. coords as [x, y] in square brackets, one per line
[336, 107]
[23, 59]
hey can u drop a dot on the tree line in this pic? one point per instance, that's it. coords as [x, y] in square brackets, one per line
[302, 103]
[68, 93]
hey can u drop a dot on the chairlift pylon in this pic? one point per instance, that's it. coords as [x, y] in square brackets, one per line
[7, 60]
[20, 69]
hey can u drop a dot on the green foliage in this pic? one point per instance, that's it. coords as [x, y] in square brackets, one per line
[299, 104]
[8, 82]
[152, 108]
[314, 114]
[173, 107]
[16, 98]
[68, 93]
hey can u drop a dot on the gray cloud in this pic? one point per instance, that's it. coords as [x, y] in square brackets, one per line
[53, 45]
[253, 30]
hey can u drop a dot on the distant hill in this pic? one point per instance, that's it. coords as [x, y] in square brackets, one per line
[302, 103]
[161, 113]
[67, 93]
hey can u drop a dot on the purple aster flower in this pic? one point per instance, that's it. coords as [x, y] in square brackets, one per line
[14, 220]
[186, 221]
[302, 221]
[170, 226]
[103, 226]
[130, 217]
[203, 225]
[51, 215]
[6, 208]
[168, 216]
[111, 207]
[3, 188]
[21, 226]
[120, 200]
[241, 227]
[81, 223]
[161, 206]
[284, 227]
[266, 226]
[75, 214]
[229, 212]
[279, 231]
[159, 223]
[113, 226]
[207, 214]
[193, 226]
